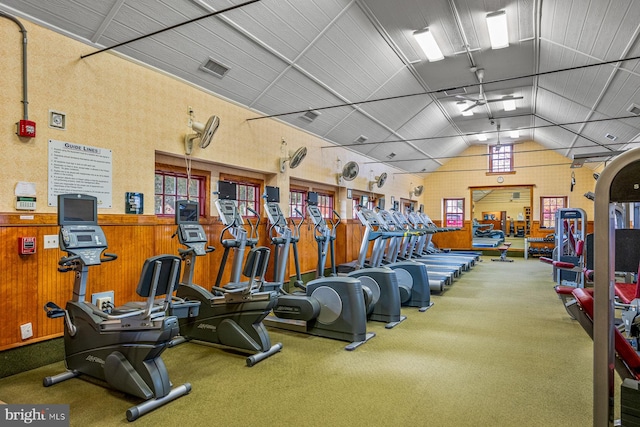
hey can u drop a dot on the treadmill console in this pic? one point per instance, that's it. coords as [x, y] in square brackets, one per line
[368, 217]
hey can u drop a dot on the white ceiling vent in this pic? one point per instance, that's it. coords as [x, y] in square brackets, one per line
[611, 137]
[213, 67]
[453, 92]
[634, 109]
[310, 115]
[361, 139]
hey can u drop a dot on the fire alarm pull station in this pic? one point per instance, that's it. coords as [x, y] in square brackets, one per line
[26, 128]
[26, 245]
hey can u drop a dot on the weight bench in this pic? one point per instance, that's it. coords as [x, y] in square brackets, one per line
[503, 253]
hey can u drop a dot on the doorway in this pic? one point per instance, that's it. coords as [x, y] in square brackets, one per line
[501, 208]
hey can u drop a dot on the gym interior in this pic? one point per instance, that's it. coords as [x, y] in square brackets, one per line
[368, 252]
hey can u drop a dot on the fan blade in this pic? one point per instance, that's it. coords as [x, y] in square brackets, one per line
[466, 98]
[506, 98]
[474, 105]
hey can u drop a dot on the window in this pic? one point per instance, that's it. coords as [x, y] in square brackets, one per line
[501, 158]
[171, 185]
[548, 208]
[325, 204]
[296, 201]
[454, 212]
[247, 193]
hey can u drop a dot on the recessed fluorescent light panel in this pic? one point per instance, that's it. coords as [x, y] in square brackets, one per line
[462, 106]
[498, 33]
[509, 104]
[428, 44]
[482, 137]
[514, 133]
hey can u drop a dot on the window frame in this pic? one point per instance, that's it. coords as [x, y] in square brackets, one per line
[202, 177]
[445, 208]
[551, 216]
[302, 206]
[495, 157]
[256, 184]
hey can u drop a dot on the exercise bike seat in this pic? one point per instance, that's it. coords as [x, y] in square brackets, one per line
[159, 277]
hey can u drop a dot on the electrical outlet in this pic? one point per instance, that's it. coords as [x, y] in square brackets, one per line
[100, 298]
[50, 241]
[26, 331]
[101, 302]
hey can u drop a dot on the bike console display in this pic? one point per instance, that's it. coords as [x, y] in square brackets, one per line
[80, 233]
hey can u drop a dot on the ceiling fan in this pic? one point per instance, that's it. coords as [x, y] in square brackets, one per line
[481, 100]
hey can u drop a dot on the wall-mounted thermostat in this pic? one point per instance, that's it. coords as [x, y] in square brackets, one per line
[25, 203]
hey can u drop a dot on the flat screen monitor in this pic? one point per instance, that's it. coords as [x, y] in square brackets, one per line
[272, 193]
[187, 212]
[364, 201]
[312, 198]
[227, 190]
[77, 209]
[381, 203]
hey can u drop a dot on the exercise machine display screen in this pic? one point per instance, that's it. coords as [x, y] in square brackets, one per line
[273, 194]
[227, 190]
[186, 212]
[312, 198]
[77, 209]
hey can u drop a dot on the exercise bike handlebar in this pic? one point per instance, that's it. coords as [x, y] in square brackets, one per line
[67, 261]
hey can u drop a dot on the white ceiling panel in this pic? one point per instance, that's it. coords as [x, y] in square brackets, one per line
[287, 26]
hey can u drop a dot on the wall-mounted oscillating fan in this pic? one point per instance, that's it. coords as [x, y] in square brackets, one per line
[379, 182]
[417, 191]
[204, 132]
[294, 159]
[349, 172]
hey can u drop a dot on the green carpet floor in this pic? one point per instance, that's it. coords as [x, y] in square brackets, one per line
[496, 349]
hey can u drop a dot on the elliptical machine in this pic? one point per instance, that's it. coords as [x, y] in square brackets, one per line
[122, 347]
[330, 307]
[232, 316]
[382, 294]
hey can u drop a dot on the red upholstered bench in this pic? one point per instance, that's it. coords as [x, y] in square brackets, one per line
[503, 252]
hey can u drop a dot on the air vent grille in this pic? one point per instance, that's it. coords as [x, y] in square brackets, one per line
[634, 109]
[360, 139]
[455, 91]
[611, 137]
[310, 115]
[215, 68]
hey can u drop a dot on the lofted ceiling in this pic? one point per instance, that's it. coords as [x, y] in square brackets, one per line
[351, 72]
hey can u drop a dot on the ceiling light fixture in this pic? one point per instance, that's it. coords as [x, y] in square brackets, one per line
[514, 133]
[428, 44]
[498, 33]
[509, 104]
[482, 137]
[462, 106]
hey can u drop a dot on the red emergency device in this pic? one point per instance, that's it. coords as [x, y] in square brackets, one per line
[26, 245]
[26, 128]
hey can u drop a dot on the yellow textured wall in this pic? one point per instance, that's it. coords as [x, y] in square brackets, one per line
[547, 170]
[111, 102]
